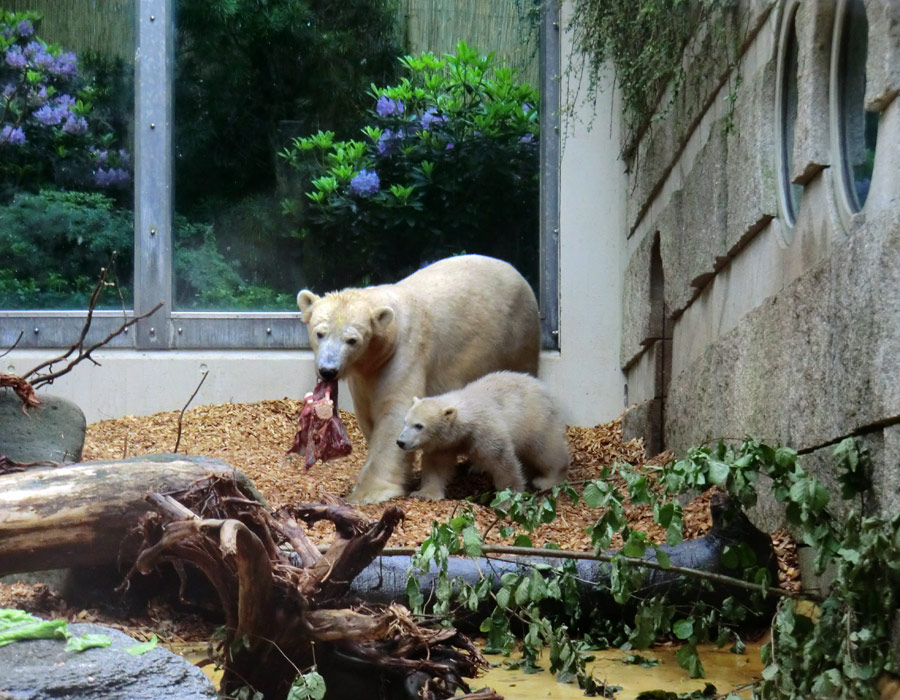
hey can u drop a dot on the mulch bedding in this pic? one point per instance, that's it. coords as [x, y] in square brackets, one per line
[254, 438]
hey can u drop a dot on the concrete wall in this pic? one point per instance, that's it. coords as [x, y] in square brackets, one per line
[584, 373]
[747, 325]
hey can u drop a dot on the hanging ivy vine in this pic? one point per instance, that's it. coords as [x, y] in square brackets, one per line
[645, 41]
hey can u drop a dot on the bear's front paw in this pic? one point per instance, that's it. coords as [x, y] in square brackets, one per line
[375, 494]
[428, 494]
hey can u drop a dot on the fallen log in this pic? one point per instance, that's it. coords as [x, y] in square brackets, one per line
[690, 563]
[82, 514]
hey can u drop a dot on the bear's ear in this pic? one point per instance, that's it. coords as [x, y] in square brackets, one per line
[381, 317]
[449, 414]
[305, 301]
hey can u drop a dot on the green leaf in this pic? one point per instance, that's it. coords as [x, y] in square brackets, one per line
[718, 472]
[683, 629]
[593, 495]
[472, 541]
[142, 648]
[41, 629]
[636, 544]
[307, 686]
[689, 660]
[663, 558]
[89, 641]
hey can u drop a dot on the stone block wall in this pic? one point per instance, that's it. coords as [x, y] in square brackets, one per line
[735, 321]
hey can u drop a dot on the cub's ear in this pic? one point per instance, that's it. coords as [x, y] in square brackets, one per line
[449, 414]
[381, 317]
[305, 301]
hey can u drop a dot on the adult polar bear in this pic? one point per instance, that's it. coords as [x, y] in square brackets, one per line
[436, 330]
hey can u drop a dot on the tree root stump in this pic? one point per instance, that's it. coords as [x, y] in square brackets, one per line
[282, 619]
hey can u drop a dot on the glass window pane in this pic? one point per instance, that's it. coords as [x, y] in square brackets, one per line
[858, 127]
[66, 116]
[308, 155]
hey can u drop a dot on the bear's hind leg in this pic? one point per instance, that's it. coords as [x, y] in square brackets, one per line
[437, 470]
[504, 467]
[550, 461]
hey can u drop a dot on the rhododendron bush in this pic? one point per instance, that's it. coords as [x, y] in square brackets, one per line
[447, 164]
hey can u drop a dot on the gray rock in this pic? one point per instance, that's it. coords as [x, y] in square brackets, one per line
[42, 668]
[814, 22]
[52, 431]
[809, 365]
[644, 421]
[883, 57]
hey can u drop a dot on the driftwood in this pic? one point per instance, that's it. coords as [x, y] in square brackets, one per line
[281, 617]
[82, 514]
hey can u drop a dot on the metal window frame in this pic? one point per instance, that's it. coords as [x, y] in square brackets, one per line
[168, 329]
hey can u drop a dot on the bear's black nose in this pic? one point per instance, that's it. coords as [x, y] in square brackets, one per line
[401, 443]
[328, 373]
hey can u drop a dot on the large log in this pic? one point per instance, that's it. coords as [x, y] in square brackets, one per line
[87, 514]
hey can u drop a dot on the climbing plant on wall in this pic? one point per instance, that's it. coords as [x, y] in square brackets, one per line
[644, 41]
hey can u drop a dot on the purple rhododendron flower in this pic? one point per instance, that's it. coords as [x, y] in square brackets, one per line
[25, 28]
[527, 138]
[431, 117]
[365, 183]
[387, 142]
[48, 116]
[65, 65]
[124, 157]
[15, 58]
[39, 97]
[100, 157]
[114, 177]
[12, 135]
[75, 125]
[39, 56]
[387, 107]
[8, 89]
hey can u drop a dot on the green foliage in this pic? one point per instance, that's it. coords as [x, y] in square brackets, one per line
[646, 41]
[18, 625]
[54, 244]
[449, 153]
[307, 686]
[204, 279]
[836, 649]
[251, 74]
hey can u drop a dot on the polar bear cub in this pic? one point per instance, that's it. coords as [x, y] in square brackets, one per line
[502, 421]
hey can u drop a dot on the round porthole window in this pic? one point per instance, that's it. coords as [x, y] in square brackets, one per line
[786, 113]
[855, 129]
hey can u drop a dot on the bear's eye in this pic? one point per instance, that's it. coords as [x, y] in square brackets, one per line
[320, 334]
[351, 341]
[418, 426]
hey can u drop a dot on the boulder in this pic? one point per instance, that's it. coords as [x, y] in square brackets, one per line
[42, 668]
[52, 431]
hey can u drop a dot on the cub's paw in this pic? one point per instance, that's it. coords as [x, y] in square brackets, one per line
[375, 494]
[428, 495]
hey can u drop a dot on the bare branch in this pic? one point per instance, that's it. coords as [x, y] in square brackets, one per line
[83, 354]
[184, 408]
[13, 346]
